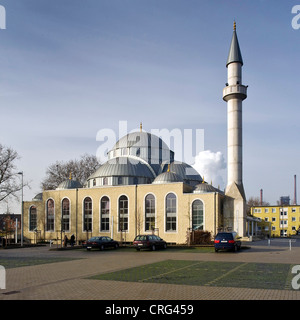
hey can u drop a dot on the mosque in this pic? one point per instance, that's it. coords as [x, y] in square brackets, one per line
[143, 189]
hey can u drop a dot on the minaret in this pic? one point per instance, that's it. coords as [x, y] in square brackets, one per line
[234, 93]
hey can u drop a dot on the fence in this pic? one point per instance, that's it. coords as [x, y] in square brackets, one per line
[282, 241]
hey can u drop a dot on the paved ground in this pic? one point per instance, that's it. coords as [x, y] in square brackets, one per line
[67, 280]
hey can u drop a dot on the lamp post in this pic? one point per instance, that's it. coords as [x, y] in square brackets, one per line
[22, 215]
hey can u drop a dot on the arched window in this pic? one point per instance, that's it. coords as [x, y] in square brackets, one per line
[149, 212]
[50, 215]
[65, 215]
[197, 215]
[171, 212]
[87, 214]
[104, 210]
[32, 218]
[123, 213]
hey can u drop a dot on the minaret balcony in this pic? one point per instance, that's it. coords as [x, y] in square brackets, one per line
[237, 91]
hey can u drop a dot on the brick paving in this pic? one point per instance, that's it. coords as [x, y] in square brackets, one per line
[67, 280]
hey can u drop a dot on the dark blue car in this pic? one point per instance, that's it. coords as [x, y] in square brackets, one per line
[101, 243]
[227, 241]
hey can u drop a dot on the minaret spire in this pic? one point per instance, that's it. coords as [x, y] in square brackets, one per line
[234, 93]
[234, 51]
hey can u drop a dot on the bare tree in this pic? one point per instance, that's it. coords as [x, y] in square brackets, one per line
[79, 169]
[254, 202]
[9, 182]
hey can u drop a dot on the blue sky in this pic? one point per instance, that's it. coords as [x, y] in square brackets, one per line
[70, 68]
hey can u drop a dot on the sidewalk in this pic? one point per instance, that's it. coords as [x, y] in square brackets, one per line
[67, 280]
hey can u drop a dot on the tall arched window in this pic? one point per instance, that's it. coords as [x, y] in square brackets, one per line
[50, 215]
[87, 214]
[32, 218]
[149, 212]
[104, 210]
[123, 213]
[65, 215]
[171, 212]
[197, 215]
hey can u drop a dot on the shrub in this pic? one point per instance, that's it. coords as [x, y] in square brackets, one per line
[200, 237]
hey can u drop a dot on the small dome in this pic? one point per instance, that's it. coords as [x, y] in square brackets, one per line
[167, 177]
[185, 171]
[69, 184]
[205, 188]
[38, 197]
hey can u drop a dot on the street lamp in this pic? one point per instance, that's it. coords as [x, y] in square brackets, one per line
[22, 216]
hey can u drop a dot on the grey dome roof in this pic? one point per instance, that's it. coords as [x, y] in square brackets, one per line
[38, 197]
[167, 177]
[124, 166]
[144, 145]
[69, 184]
[184, 170]
[205, 188]
[140, 139]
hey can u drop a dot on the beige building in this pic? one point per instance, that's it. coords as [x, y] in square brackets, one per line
[121, 212]
[143, 189]
[140, 189]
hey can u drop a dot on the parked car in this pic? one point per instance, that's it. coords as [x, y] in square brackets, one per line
[149, 242]
[101, 243]
[227, 241]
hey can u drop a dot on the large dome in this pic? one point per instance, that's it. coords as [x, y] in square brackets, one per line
[140, 139]
[145, 146]
[122, 171]
[142, 158]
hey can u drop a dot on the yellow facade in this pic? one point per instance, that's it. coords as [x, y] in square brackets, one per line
[278, 221]
[136, 194]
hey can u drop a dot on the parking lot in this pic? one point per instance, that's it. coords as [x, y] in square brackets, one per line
[174, 274]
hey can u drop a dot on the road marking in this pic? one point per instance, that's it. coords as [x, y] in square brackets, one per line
[175, 270]
[226, 274]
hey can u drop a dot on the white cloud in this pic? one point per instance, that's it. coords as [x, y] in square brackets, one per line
[211, 166]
